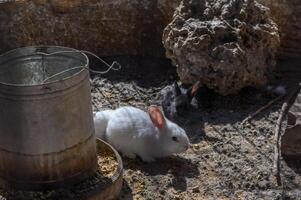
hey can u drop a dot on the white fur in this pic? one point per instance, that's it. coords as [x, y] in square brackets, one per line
[132, 132]
[101, 120]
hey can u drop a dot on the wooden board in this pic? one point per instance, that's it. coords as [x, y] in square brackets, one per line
[291, 140]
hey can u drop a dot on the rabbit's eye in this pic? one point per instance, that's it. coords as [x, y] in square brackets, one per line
[175, 139]
[181, 109]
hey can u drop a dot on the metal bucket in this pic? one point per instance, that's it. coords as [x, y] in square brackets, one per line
[46, 128]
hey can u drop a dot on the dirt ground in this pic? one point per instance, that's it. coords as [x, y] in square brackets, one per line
[228, 160]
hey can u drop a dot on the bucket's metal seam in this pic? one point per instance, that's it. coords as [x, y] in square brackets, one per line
[55, 152]
[14, 181]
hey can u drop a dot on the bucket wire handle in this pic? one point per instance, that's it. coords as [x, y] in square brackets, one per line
[110, 67]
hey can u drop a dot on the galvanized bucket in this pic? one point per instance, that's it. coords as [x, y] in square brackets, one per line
[46, 122]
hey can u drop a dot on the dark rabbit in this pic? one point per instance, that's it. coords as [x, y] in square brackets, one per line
[204, 98]
[178, 101]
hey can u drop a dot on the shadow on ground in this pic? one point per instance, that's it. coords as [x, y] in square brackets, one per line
[181, 168]
[145, 71]
[294, 163]
[126, 192]
[228, 149]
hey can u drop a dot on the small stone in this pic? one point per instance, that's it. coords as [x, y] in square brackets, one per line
[196, 147]
[196, 189]
[263, 184]
[247, 185]
[162, 192]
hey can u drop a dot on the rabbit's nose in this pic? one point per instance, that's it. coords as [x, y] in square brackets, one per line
[187, 146]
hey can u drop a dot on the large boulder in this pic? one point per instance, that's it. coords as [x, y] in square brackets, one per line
[227, 45]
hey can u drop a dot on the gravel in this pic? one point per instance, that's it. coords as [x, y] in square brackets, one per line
[228, 160]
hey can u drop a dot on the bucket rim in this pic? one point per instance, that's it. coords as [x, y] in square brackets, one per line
[50, 82]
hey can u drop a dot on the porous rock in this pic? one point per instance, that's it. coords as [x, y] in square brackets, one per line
[227, 45]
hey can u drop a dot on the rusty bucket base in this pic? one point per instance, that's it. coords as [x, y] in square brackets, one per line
[24, 172]
[94, 188]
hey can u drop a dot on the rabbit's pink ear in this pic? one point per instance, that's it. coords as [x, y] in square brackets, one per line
[195, 88]
[156, 116]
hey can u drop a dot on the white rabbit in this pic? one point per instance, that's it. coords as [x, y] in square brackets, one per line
[135, 132]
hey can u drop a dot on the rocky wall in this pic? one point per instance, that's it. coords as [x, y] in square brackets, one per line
[119, 27]
[287, 14]
[131, 27]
